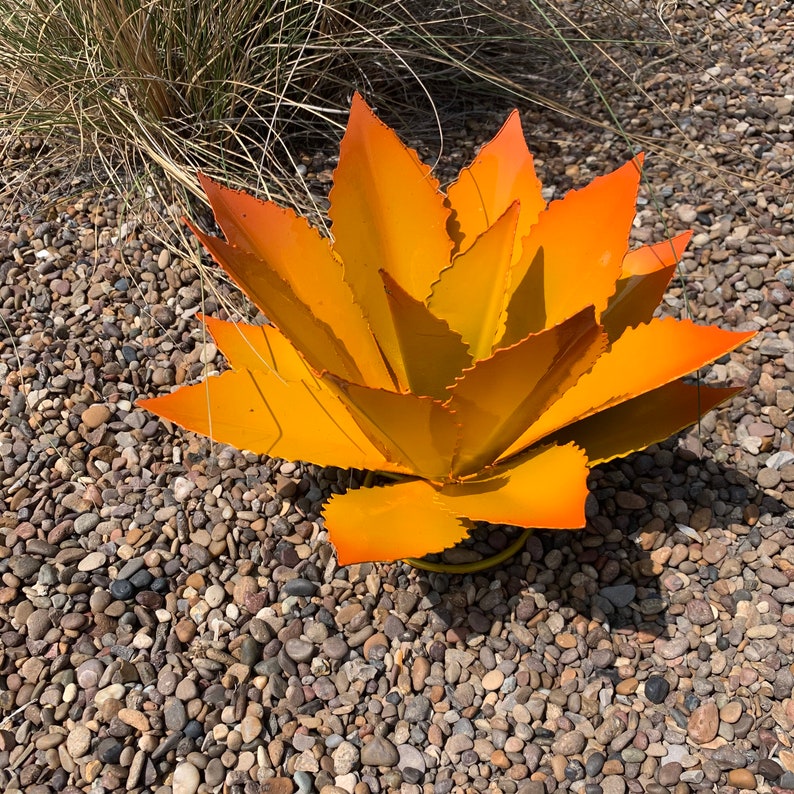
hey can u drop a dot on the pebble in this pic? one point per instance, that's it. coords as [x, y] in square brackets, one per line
[379, 752]
[299, 650]
[742, 778]
[492, 680]
[300, 587]
[346, 758]
[122, 589]
[92, 561]
[95, 415]
[594, 764]
[703, 723]
[619, 595]
[670, 773]
[731, 712]
[613, 784]
[656, 689]
[78, 741]
[769, 769]
[186, 779]
[411, 758]
[569, 744]
[673, 648]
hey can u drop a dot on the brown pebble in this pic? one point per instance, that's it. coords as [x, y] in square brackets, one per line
[73, 621]
[245, 586]
[628, 500]
[378, 640]
[195, 580]
[78, 741]
[703, 724]
[492, 680]
[627, 687]
[419, 672]
[135, 719]
[731, 712]
[185, 630]
[742, 778]
[500, 759]
[558, 764]
[379, 752]
[95, 415]
[613, 766]
[713, 552]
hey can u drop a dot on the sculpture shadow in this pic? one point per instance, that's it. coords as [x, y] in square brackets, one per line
[644, 511]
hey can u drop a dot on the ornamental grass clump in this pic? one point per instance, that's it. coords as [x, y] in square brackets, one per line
[479, 347]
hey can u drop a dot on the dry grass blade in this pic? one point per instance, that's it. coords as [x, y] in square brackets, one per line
[235, 88]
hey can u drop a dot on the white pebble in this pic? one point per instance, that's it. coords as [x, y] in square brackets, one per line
[215, 595]
[186, 779]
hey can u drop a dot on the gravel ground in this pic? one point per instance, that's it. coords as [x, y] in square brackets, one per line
[172, 618]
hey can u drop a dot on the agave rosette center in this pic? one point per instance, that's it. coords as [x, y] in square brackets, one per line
[481, 346]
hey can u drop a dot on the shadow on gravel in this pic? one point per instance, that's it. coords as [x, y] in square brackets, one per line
[661, 524]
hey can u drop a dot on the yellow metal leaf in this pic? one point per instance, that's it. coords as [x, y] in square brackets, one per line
[257, 347]
[417, 433]
[645, 420]
[650, 258]
[470, 294]
[286, 244]
[261, 412]
[525, 312]
[275, 298]
[578, 244]
[432, 355]
[545, 487]
[387, 214]
[502, 173]
[500, 397]
[643, 359]
[391, 522]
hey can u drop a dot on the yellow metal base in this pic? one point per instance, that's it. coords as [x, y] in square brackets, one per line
[472, 567]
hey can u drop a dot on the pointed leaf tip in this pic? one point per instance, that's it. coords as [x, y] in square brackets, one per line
[579, 242]
[387, 213]
[502, 173]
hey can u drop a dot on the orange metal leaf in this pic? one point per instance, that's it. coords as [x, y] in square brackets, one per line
[646, 274]
[579, 243]
[470, 293]
[502, 173]
[285, 244]
[391, 522]
[275, 298]
[257, 347]
[261, 412]
[635, 301]
[650, 258]
[545, 487]
[387, 214]
[645, 420]
[500, 397]
[418, 433]
[643, 359]
[431, 355]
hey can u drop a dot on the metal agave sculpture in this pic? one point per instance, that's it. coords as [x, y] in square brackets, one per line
[479, 347]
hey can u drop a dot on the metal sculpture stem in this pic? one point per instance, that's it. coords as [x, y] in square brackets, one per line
[472, 567]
